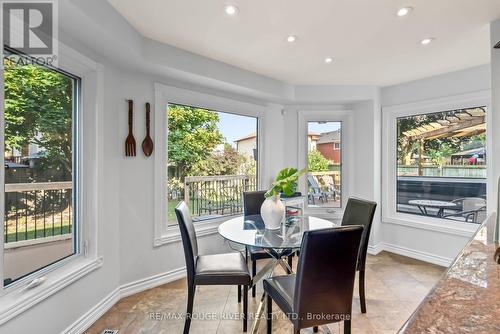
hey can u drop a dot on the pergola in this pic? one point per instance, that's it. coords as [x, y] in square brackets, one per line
[463, 123]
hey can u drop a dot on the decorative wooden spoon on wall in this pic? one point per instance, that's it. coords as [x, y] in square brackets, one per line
[147, 143]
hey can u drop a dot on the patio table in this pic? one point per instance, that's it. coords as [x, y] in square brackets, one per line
[423, 204]
[250, 231]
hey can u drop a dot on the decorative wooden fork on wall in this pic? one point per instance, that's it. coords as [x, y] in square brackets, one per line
[130, 146]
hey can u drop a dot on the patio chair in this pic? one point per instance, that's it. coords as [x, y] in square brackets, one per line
[473, 209]
[330, 188]
[316, 192]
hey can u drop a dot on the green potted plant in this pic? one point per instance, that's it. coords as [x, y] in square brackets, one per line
[273, 210]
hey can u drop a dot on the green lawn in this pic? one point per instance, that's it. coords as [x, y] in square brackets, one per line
[171, 212]
[30, 233]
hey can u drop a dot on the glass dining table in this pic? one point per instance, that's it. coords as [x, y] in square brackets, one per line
[250, 231]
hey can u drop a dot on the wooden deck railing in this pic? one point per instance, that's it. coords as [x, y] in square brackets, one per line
[220, 195]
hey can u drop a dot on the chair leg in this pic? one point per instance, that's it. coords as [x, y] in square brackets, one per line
[290, 263]
[239, 294]
[315, 329]
[189, 311]
[254, 272]
[245, 307]
[269, 314]
[362, 300]
[347, 326]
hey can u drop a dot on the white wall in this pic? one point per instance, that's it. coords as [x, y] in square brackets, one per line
[433, 246]
[454, 83]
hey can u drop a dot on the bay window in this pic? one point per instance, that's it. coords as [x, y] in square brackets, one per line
[212, 159]
[40, 221]
[436, 162]
[209, 151]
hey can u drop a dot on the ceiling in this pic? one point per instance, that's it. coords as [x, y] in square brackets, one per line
[370, 44]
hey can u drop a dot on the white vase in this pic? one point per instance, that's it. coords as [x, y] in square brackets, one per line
[272, 212]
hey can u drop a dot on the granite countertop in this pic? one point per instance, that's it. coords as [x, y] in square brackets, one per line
[467, 298]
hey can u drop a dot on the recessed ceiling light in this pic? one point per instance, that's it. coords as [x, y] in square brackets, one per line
[291, 38]
[231, 10]
[328, 60]
[404, 11]
[426, 41]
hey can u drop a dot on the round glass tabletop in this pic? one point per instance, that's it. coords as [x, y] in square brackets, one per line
[250, 231]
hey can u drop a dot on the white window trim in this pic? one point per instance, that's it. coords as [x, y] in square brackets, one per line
[389, 116]
[16, 298]
[334, 114]
[164, 234]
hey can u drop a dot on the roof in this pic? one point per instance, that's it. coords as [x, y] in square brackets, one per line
[248, 136]
[9, 164]
[329, 137]
[252, 135]
[471, 152]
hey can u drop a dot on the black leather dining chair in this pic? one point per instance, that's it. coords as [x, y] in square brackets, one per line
[252, 201]
[360, 212]
[321, 291]
[215, 269]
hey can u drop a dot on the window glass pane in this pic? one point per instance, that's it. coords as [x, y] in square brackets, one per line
[441, 165]
[39, 208]
[212, 159]
[324, 158]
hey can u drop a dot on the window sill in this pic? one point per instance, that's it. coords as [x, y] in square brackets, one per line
[17, 299]
[433, 224]
[202, 228]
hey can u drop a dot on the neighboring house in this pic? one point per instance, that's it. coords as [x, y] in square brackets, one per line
[247, 145]
[328, 144]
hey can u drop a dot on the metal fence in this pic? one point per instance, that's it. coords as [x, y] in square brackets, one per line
[37, 210]
[210, 196]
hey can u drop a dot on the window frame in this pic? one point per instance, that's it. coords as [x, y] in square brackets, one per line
[390, 114]
[76, 170]
[344, 116]
[164, 94]
[88, 139]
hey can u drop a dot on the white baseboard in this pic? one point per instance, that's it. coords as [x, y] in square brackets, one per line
[408, 252]
[151, 282]
[85, 321]
[375, 249]
[95, 313]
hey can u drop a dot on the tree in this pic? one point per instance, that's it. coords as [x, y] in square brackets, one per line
[226, 162]
[317, 162]
[38, 110]
[192, 136]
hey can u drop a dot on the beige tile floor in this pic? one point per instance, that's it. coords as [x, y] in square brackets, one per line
[395, 285]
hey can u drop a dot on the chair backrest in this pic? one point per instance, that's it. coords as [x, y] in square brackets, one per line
[252, 201]
[325, 274]
[313, 183]
[477, 204]
[473, 203]
[360, 212]
[188, 236]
